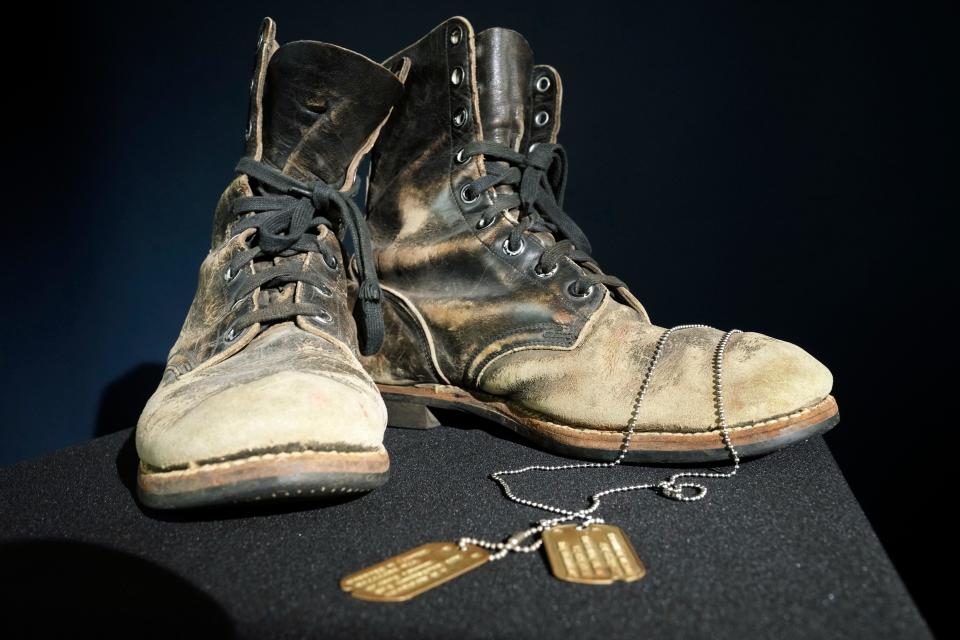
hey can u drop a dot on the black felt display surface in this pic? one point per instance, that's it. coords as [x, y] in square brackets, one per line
[781, 551]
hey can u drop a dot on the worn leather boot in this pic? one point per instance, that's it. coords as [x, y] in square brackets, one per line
[263, 395]
[493, 304]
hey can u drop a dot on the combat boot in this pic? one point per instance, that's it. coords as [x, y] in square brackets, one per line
[494, 304]
[263, 395]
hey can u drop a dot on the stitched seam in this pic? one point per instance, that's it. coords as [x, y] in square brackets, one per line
[421, 337]
[255, 458]
[572, 342]
[746, 427]
[421, 322]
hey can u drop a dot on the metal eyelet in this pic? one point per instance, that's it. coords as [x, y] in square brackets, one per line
[253, 85]
[260, 39]
[546, 274]
[460, 158]
[459, 117]
[246, 134]
[532, 147]
[456, 34]
[323, 318]
[541, 118]
[483, 223]
[229, 275]
[457, 76]
[464, 198]
[543, 83]
[331, 262]
[230, 335]
[585, 294]
[325, 292]
[513, 252]
[237, 302]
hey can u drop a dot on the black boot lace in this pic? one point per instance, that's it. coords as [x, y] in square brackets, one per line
[286, 217]
[538, 178]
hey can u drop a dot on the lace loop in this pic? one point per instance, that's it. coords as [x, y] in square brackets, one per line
[286, 219]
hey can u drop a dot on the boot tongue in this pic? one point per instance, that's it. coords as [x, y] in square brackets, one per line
[504, 83]
[505, 90]
[321, 104]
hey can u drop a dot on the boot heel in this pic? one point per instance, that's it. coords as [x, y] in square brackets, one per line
[409, 415]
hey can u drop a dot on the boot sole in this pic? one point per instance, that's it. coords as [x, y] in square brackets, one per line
[410, 407]
[266, 477]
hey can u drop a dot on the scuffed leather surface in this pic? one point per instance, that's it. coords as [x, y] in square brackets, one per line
[477, 301]
[287, 387]
[321, 103]
[406, 359]
[594, 385]
[211, 314]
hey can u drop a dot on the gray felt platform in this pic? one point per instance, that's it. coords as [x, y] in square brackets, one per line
[781, 551]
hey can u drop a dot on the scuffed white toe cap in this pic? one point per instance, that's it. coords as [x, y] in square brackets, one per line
[287, 410]
[765, 377]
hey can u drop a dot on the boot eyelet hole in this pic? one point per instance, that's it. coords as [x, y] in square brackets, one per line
[322, 318]
[546, 274]
[331, 262]
[456, 34]
[459, 117]
[573, 292]
[513, 252]
[541, 118]
[230, 335]
[543, 83]
[323, 291]
[465, 198]
[229, 274]
[238, 302]
[249, 130]
[483, 223]
[460, 158]
[532, 147]
[457, 76]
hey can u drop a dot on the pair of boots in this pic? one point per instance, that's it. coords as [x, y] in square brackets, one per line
[465, 286]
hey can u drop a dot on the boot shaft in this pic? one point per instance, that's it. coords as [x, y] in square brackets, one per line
[455, 273]
[315, 110]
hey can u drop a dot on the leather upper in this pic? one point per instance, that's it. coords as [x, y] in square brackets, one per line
[477, 301]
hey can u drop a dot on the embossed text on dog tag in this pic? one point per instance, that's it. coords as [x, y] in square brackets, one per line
[597, 554]
[411, 573]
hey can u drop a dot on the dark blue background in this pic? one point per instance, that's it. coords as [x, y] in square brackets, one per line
[779, 167]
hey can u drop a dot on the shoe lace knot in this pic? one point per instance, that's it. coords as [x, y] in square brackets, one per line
[287, 214]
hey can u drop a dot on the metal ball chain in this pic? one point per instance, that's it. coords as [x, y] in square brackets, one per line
[670, 488]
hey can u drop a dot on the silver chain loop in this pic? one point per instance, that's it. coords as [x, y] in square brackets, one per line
[671, 488]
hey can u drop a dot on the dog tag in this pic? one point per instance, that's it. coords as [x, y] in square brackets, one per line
[597, 554]
[409, 574]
